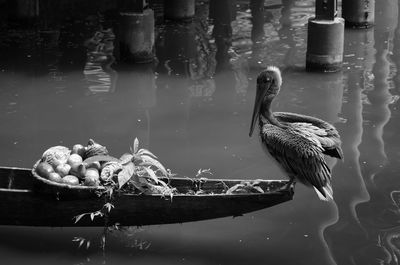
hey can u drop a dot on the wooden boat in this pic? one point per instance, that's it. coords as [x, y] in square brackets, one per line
[22, 205]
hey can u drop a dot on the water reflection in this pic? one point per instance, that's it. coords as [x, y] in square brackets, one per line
[367, 222]
[350, 188]
[193, 110]
[101, 77]
[382, 227]
[222, 12]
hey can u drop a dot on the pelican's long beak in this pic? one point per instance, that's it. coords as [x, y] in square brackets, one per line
[260, 95]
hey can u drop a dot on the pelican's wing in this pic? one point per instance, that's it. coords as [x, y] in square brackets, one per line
[300, 157]
[326, 133]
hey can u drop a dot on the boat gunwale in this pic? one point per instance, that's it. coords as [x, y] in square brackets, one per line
[288, 188]
[18, 168]
[278, 192]
[16, 190]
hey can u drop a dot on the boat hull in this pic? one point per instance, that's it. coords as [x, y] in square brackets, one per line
[23, 206]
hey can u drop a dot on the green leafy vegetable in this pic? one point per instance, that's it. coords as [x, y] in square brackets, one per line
[125, 174]
[108, 206]
[146, 152]
[126, 158]
[155, 163]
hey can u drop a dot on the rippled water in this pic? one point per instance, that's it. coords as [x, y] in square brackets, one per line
[193, 110]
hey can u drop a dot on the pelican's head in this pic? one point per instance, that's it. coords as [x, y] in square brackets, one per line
[269, 83]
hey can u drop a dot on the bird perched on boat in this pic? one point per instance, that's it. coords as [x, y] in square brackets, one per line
[297, 142]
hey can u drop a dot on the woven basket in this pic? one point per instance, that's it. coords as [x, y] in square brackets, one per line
[61, 190]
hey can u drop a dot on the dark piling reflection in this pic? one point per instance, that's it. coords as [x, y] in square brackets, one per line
[257, 21]
[222, 13]
[258, 36]
[184, 71]
[286, 31]
[360, 236]
[346, 235]
[192, 109]
[380, 214]
[129, 107]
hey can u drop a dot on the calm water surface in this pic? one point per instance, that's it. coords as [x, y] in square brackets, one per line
[193, 110]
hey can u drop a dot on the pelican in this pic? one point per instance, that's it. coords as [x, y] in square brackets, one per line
[297, 142]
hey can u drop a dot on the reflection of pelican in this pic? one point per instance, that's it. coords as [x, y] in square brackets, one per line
[296, 141]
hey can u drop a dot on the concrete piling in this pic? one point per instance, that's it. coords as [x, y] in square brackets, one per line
[136, 36]
[27, 8]
[325, 39]
[136, 6]
[358, 13]
[179, 9]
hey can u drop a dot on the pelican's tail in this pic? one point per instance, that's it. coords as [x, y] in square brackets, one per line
[325, 194]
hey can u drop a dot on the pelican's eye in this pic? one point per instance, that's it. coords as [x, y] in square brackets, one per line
[264, 79]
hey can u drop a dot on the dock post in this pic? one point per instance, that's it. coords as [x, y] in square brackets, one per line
[28, 8]
[358, 13]
[179, 9]
[136, 36]
[25, 12]
[325, 38]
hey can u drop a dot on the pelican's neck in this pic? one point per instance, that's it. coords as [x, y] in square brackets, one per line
[267, 113]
